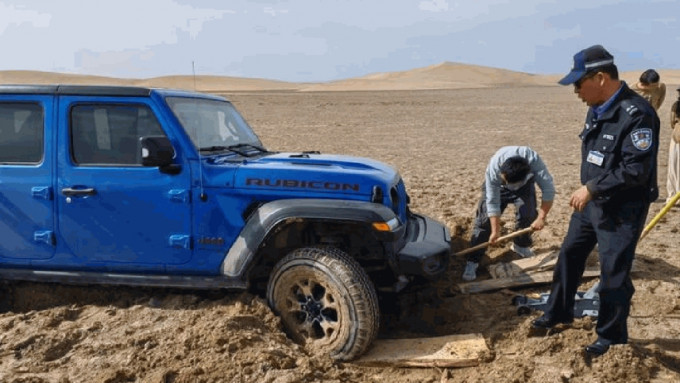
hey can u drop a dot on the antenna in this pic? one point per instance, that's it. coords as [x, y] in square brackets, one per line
[193, 70]
[202, 194]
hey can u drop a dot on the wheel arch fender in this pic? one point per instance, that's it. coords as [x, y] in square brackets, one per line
[273, 214]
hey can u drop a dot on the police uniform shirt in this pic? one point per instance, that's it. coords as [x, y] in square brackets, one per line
[620, 145]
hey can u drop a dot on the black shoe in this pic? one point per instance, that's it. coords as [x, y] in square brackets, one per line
[598, 348]
[547, 322]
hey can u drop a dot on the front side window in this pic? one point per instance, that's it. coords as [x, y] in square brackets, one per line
[212, 123]
[110, 134]
[21, 133]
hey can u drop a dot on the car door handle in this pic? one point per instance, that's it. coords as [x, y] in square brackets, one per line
[70, 192]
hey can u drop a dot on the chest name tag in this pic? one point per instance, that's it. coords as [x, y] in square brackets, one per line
[595, 157]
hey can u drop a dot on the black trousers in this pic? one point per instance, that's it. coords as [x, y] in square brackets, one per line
[616, 230]
[524, 200]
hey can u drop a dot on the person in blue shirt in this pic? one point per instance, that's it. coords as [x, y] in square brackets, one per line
[510, 177]
[620, 142]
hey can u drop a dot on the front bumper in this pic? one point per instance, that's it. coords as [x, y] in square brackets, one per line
[427, 249]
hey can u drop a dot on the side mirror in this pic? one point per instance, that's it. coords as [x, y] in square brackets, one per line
[158, 151]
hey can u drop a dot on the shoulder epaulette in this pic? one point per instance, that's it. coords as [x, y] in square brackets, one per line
[630, 108]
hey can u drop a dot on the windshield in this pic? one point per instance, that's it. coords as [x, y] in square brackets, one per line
[213, 125]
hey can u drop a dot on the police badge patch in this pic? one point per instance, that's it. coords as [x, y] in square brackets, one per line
[642, 138]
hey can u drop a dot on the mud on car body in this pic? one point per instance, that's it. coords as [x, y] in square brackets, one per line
[158, 187]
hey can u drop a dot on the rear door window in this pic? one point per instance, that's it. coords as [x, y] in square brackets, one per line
[21, 133]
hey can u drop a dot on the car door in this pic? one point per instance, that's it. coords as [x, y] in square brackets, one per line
[26, 165]
[114, 213]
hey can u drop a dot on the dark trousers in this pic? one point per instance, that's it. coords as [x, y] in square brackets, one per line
[524, 200]
[616, 230]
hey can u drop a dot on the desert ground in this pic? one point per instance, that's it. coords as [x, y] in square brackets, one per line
[440, 141]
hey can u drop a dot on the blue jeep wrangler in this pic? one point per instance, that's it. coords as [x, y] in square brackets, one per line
[168, 188]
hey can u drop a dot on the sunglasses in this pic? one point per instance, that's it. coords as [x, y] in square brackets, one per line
[580, 82]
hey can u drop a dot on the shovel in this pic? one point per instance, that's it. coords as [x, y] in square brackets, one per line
[501, 239]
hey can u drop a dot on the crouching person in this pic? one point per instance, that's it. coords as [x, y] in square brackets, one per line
[510, 178]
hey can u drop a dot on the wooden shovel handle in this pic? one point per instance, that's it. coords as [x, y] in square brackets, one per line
[501, 239]
[663, 212]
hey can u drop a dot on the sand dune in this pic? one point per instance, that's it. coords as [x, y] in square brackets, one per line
[445, 75]
[441, 76]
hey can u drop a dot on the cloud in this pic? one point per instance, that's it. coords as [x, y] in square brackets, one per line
[322, 41]
[82, 35]
[119, 25]
[274, 12]
[11, 16]
[434, 5]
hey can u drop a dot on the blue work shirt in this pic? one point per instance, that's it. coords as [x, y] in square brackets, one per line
[494, 182]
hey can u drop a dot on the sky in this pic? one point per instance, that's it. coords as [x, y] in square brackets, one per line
[327, 40]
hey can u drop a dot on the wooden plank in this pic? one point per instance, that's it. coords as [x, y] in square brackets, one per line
[523, 279]
[540, 261]
[444, 351]
[546, 261]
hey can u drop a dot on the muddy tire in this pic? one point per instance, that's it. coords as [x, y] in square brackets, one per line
[326, 302]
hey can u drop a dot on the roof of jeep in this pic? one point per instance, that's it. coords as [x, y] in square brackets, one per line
[94, 90]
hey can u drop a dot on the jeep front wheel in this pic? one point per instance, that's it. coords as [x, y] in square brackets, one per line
[326, 301]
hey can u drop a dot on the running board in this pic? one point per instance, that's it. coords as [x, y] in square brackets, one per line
[106, 278]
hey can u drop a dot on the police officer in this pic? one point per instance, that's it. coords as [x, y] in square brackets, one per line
[620, 141]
